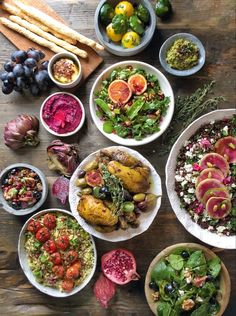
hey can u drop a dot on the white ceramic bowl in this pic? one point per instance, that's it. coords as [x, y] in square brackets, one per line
[225, 283]
[75, 60]
[65, 134]
[22, 212]
[227, 242]
[165, 87]
[26, 269]
[116, 48]
[146, 219]
[169, 42]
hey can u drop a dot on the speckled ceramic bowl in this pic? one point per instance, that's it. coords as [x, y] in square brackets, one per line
[116, 48]
[36, 206]
[166, 46]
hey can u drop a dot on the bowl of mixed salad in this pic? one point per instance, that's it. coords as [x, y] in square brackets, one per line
[201, 178]
[24, 189]
[131, 103]
[56, 254]
[115, 193]
[187, 279]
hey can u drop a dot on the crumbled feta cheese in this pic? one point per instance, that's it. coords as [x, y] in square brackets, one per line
[225, 130]
[178, 178]
[189, 279]
[181, 193]
[195, 217]
[188, 168]
[187, 200]
[191, 190]
[181, 292]
[194, 179]
[200, 156]
[212, 140]
[233, 185]
[189, 154]
[210, 228]
[184, 183]
[188, 177]
[212, 122]
[199, 299]
[220, 229]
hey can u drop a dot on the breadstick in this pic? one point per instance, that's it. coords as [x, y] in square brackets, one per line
[57, 26]
[33, 37]
[15, 11]
[35, 29]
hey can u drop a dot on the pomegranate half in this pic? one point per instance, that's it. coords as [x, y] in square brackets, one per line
[119, 266]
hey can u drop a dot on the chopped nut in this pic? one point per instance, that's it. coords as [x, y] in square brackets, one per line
[187, 273]
[188, 304]
[156, 296]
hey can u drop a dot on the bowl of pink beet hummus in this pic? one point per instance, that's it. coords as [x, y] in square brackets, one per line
[62, 114]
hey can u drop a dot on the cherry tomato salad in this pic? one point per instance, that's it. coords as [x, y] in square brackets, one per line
[60, 253]
[22, 188]
[205, 176]
[131, 103]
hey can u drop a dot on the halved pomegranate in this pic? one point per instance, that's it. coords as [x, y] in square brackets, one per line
[119, 266]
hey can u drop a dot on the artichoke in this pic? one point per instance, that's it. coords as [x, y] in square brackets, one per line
[62, 157]
[22, 131]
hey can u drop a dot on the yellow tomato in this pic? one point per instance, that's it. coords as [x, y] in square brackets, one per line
[112, 35]
[130, 40]
[124, 7]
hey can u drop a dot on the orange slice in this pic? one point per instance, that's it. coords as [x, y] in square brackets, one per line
[138, 84]
[119, 92]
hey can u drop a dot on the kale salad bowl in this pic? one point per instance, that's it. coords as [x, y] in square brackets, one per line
[187, 279]
[131, 103]
[201, 178]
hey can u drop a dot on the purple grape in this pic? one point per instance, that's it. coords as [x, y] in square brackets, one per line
[18, 70]
[41, 54]
[30, 62]
[34, 89]
[8, 66]
[19, 56]
[20, 83]
[28, 71]
[44, 65]
[7, 89]
[11, 77]
[33, 54]
[4, 75]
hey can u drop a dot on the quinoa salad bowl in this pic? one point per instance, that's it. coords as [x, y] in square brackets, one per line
[201, 178]
[56, 254]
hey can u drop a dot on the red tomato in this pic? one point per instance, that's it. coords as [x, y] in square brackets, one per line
[56, 258]
[33, 226]
[50, 246]
[72, 272]
[58, 271]
[63, 242]
[43, 234]
[77, 264]
[67, 285]
[49, 221]
[72, 256]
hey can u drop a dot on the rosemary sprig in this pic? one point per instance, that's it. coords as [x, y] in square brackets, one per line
[187, 109]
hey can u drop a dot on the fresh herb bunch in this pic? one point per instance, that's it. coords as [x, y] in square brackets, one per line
[187, 109]
[115, 188]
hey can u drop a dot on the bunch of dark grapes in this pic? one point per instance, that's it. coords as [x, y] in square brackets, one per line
[26, 70]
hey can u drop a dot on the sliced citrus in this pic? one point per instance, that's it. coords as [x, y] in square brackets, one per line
[138, 84]
[119, 92]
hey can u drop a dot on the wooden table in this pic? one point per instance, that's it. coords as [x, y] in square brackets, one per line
[213, 21]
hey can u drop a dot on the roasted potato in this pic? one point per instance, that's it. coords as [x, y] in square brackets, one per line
[95, 212]
[135, 180]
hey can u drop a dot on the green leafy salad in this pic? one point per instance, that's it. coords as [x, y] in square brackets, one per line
[186, 283]
[131, 103]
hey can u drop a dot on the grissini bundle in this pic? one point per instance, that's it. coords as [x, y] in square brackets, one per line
[35, 29]
[33, 37]
[16, 11]
[57, 26]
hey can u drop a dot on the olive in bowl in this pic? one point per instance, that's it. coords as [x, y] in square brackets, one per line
[24, 189]
[125, 28]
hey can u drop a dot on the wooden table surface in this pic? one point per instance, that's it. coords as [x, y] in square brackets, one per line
[213, 21]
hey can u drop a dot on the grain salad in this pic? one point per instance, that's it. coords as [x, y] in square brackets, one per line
[205, 176]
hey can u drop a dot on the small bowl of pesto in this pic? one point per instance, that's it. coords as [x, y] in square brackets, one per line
[182, 55]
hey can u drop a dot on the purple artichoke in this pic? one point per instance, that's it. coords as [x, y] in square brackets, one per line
[22, 131]
[62, 157]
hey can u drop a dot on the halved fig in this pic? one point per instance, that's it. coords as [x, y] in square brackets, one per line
[218, 207]
[138, 84]
[226, 147]
[210, 173]
[214, 160]
[94, 178]
[206, 185]
[216, 192]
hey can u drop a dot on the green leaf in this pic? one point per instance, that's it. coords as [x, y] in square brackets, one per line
[161, 271]
[105, 108]
[108, 127]
[207, 291]
[135, 108]
[203, 310]
[214, 266]
[197, 263]
[176, 261]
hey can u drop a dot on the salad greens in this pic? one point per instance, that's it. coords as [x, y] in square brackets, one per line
[141, 115]
[186, 283]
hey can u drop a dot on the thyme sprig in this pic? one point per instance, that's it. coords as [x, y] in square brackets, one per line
[187, 109]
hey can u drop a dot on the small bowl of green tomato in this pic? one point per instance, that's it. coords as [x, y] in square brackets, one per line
[187, 279]
[125, 28]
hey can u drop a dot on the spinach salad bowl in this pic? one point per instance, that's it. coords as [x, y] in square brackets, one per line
[49, 265]
[131, 103]
[187, 279]
[201, 177]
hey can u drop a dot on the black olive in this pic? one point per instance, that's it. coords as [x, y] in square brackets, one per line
[213, 300]
[184, 254]
[5, 181]
[16, 205]
[169, 288]
[153, 286]
[104, 190]
[81, 173]
[37, 195]
[209, 277]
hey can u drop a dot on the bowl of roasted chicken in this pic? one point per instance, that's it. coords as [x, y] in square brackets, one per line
[115, 193]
